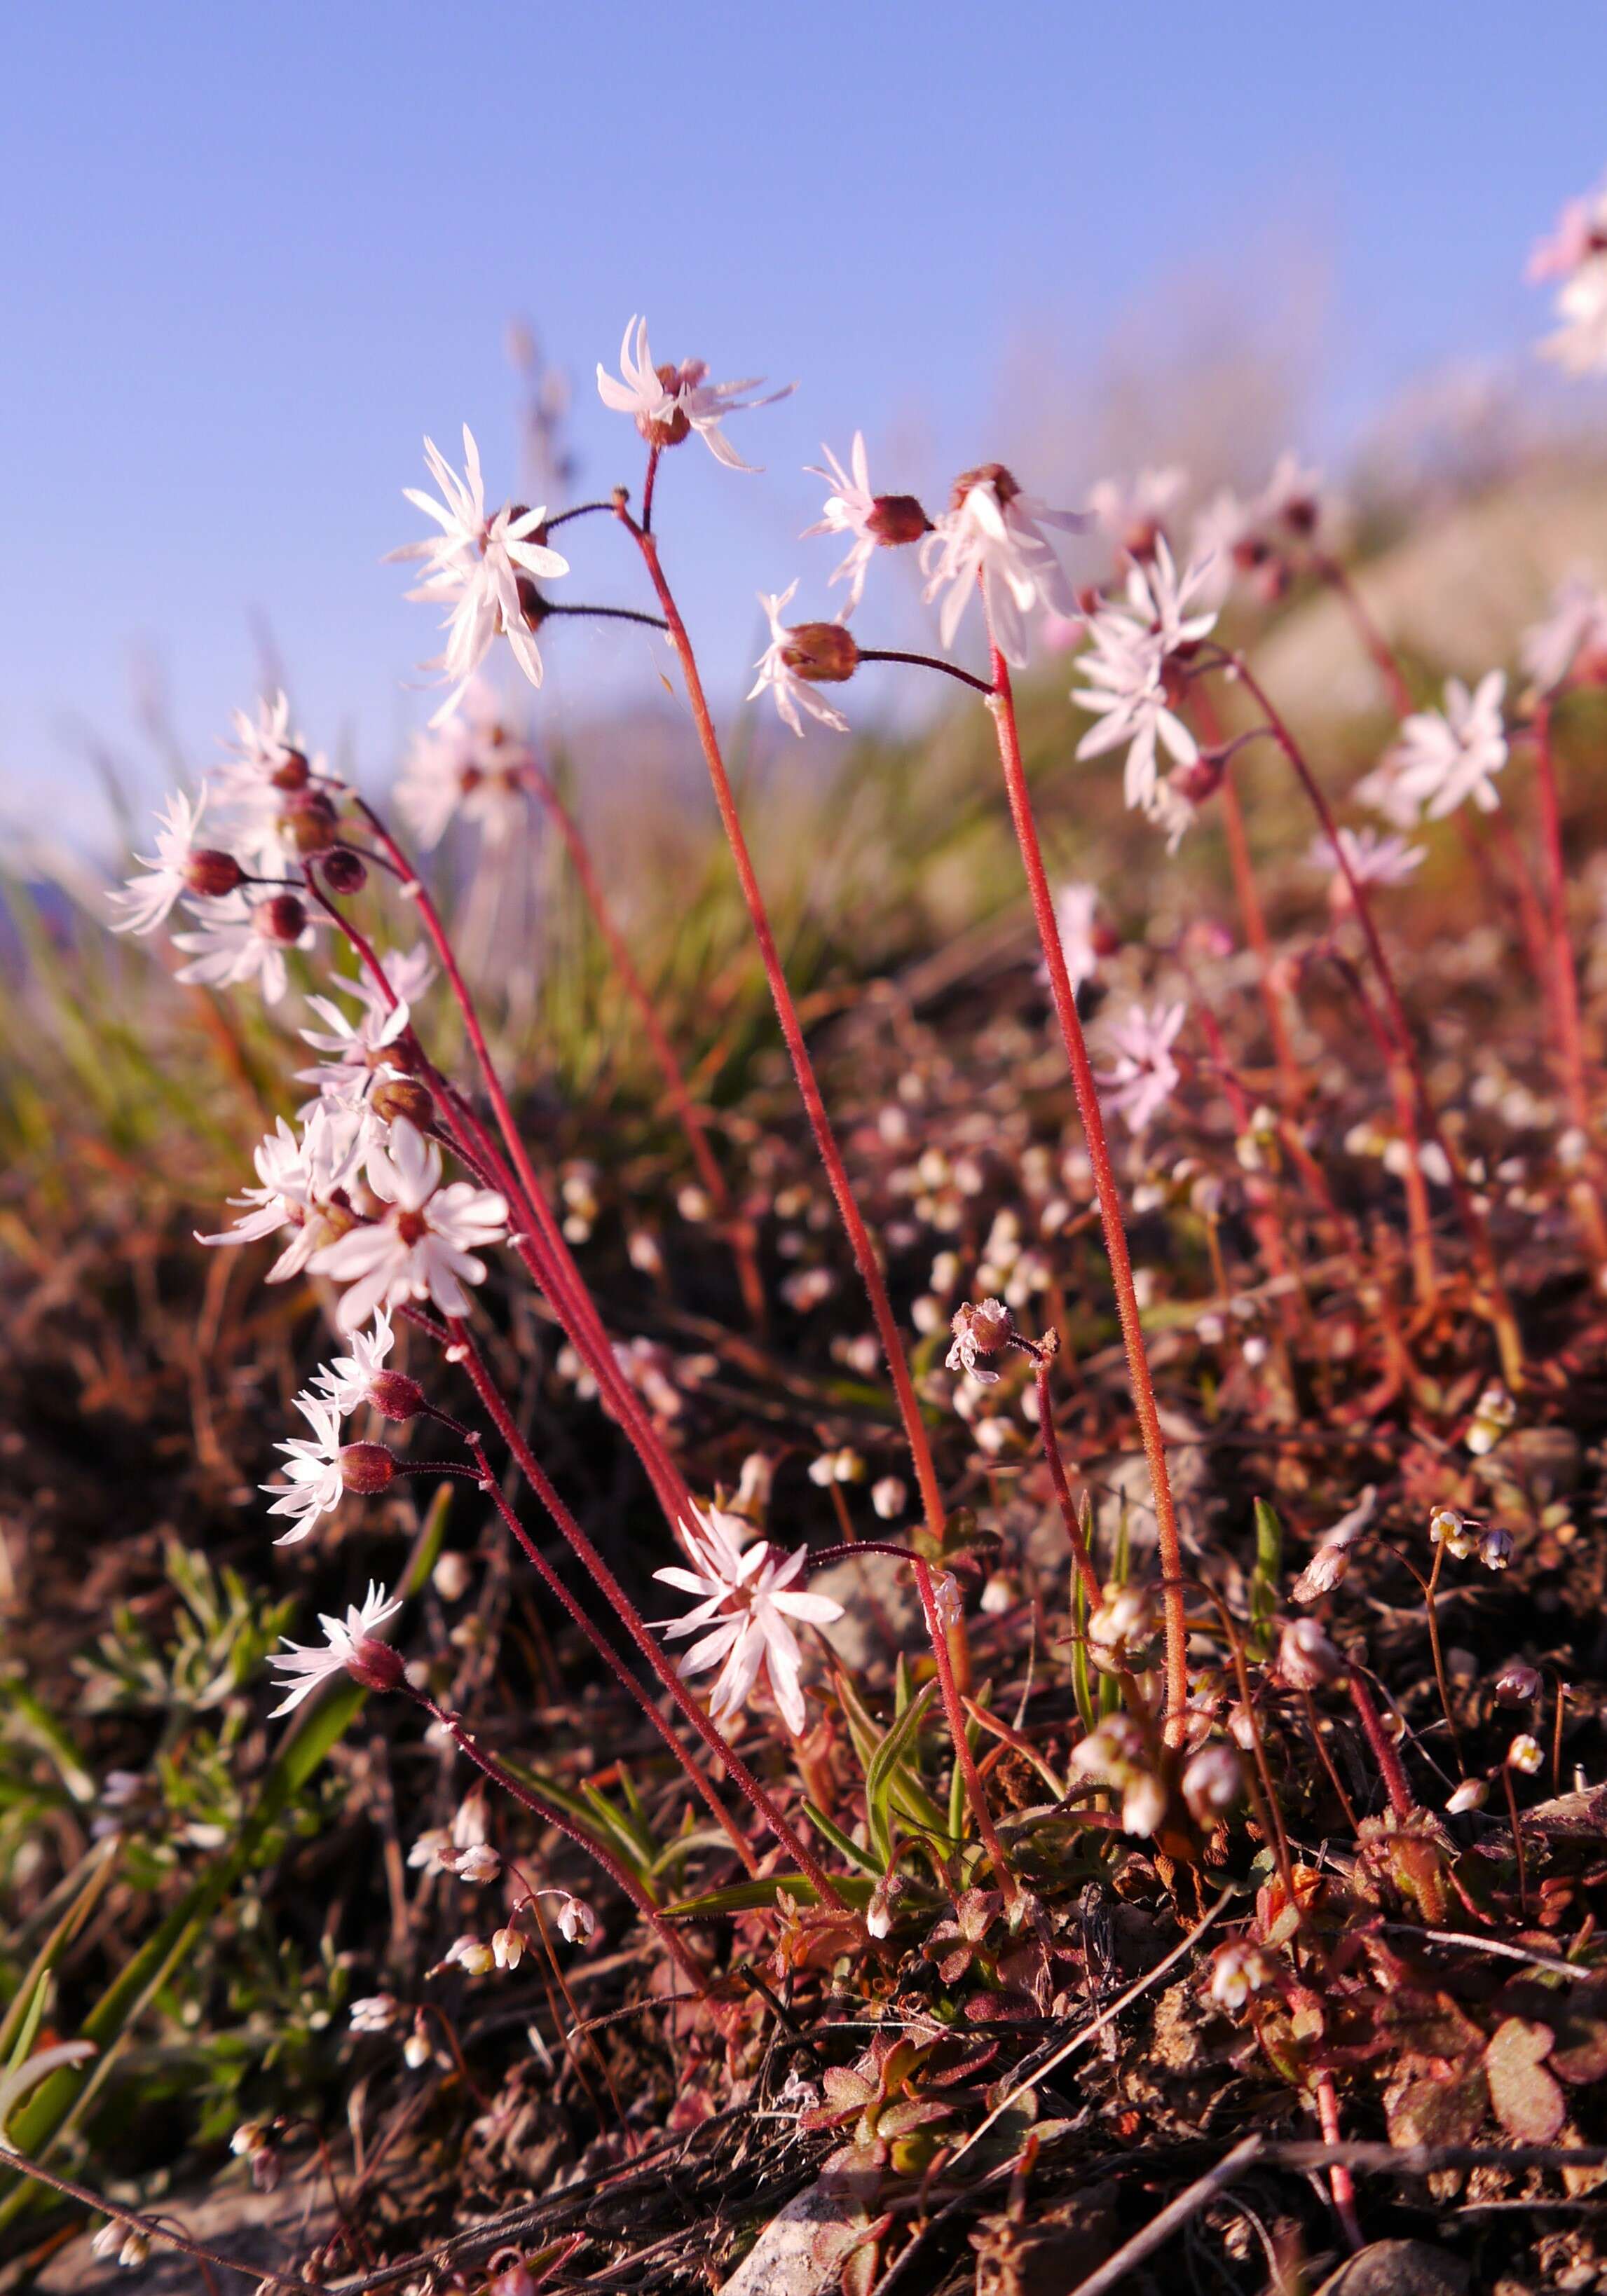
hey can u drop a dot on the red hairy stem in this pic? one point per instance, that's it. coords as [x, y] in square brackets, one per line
[552, 1268]
[949, 1691]
[1570, 1034]
[1383, 1749]
[615, 1664]
[1340, 2181]
[1467, 1212]
[490, 1395]
[1251, 913]
[1109, 1195]
[792, 1030]
[530, 1799]
[663, 1052]
[1080, 1555]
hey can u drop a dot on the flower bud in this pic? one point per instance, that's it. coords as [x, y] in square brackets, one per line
[1212, 1783]
[344, 870]
[283, 918]
[1307, 1658]
[507, 1947]
[577, 1924]
[473, 1955]
[212, 873]
[884, 1898]
[823, 652]
[308, 823]
[251, 2136]
[450, 1576]
[1143, 1804]
[403, 1096]
[1473, 1793]
[1517, 1685]
[415, 2049]
[375, 2012]
[367, 1468]
[292, 772]
[1493, 1415]
[889, 1495]
[375, 1665]
[1199, 779]
[1006, 486]
[517, 2281]
[394, 1395]
[946, 1601]
[1495, 1549]
[1237, 1971]
[476, 1864]
[896, 519]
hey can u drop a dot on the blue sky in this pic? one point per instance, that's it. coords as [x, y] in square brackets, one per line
[251, 255]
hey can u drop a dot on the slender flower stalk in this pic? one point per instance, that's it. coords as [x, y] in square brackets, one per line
[1508, 1340]
[549, 1814]
[792, 1030]
[1565, 985]
[464, 1350]
[658, 1039]
[949, 1691]
[1004, 708]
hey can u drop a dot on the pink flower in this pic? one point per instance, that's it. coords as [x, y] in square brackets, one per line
[666, 402]
[993, 534]
[1143, 1075]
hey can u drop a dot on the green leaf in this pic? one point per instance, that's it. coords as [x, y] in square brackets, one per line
[1263, 1580]
[842, 1843]
[752, 1897]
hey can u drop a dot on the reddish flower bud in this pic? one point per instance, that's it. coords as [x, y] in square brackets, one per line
[283, 918]
[1517, 1685]
[670, 432]
[896, 519]
[367, 1468]
[344, 870]
[293, 773]
[395, 1096]
[308, 822]
[396, 1395]
[823, 652]
[1201, 780]
[375, 1665]
[212, 873]
[1004, 482]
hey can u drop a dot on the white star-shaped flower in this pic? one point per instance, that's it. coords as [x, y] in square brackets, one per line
[1444, 756]
[239, 941]
[473, 567]
[346, 1380]
[745, 1597]
[1143, 1075]
[149, 899]
[424, 1248]
[313, 1468]
[994, 533]
[1131, 639]
[666, 402]
[779, 676]
[1574, 624]
[346, 1649]
[298, 1181]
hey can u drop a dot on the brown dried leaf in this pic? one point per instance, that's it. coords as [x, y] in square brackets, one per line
[1526, 2101]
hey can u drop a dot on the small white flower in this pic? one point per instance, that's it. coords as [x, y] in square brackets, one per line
[472, 568]
[745, 1598]
[375, 2012]
[666, 402]
[344, 1648]
[299, 1180]
[995, 533]
[346, 1381]
[577, 1924]
[778, 673]
[1580, 344]
[267, 770]
[849, 509]
[1375, 858]
[313, 1467]
[1143, 1804]
[1574, 624]
[149, 899]
[1444, 756]
[507, 1947]
[425, 1246]
[1525, 1754]
[1237, 1972]
[980, 1328]
[474, 767]
[889, 1495]
[1131, 639]
[1133, 511]
[1332, 1559]
[356, 1048]
[1473, 1793]
[474, 1955]
[240, 941]
[1143, 1075]
[1212, 1784]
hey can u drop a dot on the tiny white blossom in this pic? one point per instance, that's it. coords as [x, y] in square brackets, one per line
[1375, 858]
[473, 567]
[356, 1048]
[779, 676]
[1143, 1075]
[345, 1381]
[1525, 1754]
[472, 767]
[313, 1466]
[1133, 511]
[1332, 1559]
[344, 1648]
[849, 509]
[240, 941]
[374, 2013]
[299, 1181]
[149, 899]
[1131, 639]
[994, 533]
[1443, 757]
[423, 1247]
[666, 402]
[746, 1596]
[1575, 624]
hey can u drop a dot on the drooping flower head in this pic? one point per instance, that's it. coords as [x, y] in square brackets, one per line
[668, 403]
[875, 521]
[350, 1646]
[745, 1595]
[993, 534]
[180, 864]
[474, 567]
[238, 940]
[800, 657]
